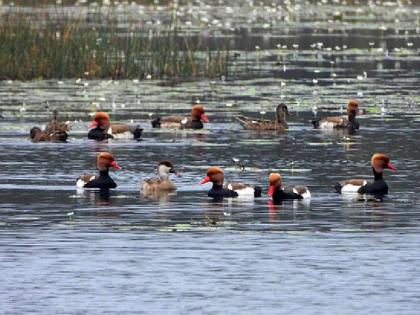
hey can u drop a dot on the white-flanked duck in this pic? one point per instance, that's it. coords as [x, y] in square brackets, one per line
[195, 121]
[378, 187]
[279, 193]
[161, 184]
[104, 161]
[216, 176]
[341, 122]
[102, 129]
[265, 124]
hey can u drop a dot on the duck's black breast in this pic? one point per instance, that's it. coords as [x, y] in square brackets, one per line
[99, 134]
[194, 124]
[378, 187]
[279, 195]
[103, 181]
[218, 192]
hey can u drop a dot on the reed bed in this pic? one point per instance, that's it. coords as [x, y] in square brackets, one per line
[73, 48]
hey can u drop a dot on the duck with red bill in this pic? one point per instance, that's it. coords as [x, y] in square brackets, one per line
[104, 162]
[378, 187]
[279, 193]
[216, 176]
[195, 121]
[102, 129]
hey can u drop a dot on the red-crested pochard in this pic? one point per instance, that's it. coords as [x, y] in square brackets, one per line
[216, 176]
[104, 161]
[279, 193]
[196, 120]
[264, 124]
[163, 183]
[379, 163]
[102, 129]
[340, 122]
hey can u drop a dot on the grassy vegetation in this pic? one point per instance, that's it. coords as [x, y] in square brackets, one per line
[73, 48]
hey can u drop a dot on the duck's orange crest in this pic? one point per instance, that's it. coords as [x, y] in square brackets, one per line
[101, 115]
[274, 177]
[214, 170]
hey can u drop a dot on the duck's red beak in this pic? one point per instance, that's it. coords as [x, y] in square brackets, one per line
[204, 118]
[271, 190]
[115, 165]
[391, 167]
[205, 180]
[93, 124]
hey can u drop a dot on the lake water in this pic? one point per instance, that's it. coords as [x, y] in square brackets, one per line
[65, 251]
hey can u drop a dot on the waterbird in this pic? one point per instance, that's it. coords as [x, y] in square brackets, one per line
[195, 121]
[102, 129]
[163, 183]
[279, 193]
[378, 187]
[216, 176]
[104, 161]
[341, 122]
[54, 130]
[265, 124]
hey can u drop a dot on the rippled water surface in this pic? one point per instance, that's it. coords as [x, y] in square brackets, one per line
[65, 251]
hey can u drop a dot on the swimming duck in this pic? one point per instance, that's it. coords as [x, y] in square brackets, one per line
[279, 193]
[379, 162]
[196, 120]
[104, 161]
[163, 183]
[102, 129]
[341, 122]
[54, 131]
[216, 176]
[265, 124]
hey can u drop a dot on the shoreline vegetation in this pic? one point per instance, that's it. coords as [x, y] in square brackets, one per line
[42, 47]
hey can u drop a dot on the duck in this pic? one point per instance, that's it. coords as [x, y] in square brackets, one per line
[104, 161]
[216, 175]
[54, 131]
[341, 122]
[195, 121]
[278, 193]
[266, 124]
[163, 183]
[102, 129]
[378, 187]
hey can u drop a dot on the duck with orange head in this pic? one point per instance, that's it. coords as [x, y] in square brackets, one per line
[341, 122]
[195, 121]
[279, 193]
[104, 161]
[378, 187]
[216, 176]
[102, 129]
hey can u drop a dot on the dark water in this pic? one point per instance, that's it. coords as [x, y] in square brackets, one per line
[65, 251]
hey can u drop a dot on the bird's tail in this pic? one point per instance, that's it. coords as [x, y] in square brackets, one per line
[257, 191]
[315, 123]
[156, 122]
[338, 187]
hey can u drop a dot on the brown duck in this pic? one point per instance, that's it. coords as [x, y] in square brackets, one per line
[54, 131]
[195, 121]
[265, 124]
[163, 183]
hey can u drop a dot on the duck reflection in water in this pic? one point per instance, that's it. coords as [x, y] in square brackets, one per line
[99, 197]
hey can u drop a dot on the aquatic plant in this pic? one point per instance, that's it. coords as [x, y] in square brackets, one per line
[100, 48]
